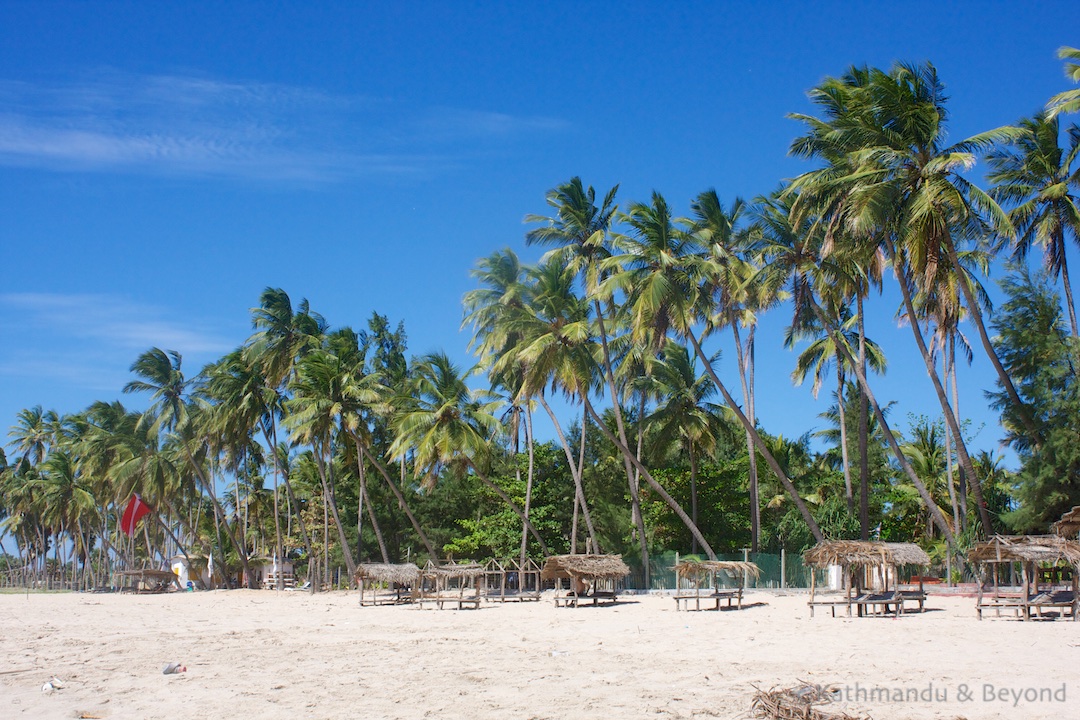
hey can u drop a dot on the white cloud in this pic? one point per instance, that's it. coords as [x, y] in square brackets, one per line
[89, 340]
[197, 126]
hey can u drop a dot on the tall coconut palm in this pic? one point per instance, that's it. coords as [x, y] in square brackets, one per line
[685, 418]
[793, 256]
[891, 180]
[731, 275]
[449, 423]
[669, 288]
[579, 233]
[815, 359]
[490, 309]
[161, 375]
[1040, 180]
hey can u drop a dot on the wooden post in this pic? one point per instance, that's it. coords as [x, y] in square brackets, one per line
[1024, 579]
[783, 566]
[813, 585]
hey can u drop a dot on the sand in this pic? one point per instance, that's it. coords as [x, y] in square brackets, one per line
[264, 654]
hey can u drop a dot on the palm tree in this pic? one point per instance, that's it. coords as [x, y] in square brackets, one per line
[161, 375]
[281, 338]
[668, 288]
[891, 180]
[449, 423]
[737, 296]
[33, 433]
[816, 358]
[1068, 101]
[684, 417]
[579, 232]
[793, 255]
[1034, 175]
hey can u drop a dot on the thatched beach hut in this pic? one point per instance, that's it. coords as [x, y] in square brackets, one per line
[1068, 526]
[454, 583]
[386, 584]
[590, 576]
[697, 581]
[860, 561]
[511, 580]
[1060, 565]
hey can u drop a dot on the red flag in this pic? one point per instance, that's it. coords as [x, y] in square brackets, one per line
[134, 512]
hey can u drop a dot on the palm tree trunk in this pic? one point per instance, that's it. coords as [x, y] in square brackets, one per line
[931, 506]
[931, 369]
[575, 471]
[361, 451]
[664, 494]
[609, 376]
[962, 481]
[326, 469]
[693, 494]
[376, 529]
[279, 547]
[945, 370]
[864, 432]
[752, 477]
[1060, 241]
[843, 435]
[528, 483]
[635, 507]
[758, 442]
[975, 311]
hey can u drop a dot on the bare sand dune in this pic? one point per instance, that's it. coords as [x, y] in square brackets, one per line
[261, 654]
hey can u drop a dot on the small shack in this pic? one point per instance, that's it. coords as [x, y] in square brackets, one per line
[865, 564]
[1068, 526]
[386, 584]
[269, 570]
[453, 583]
[698, 580]
[511, 580]
[147, 581]
[587, 576]
[1049, 566]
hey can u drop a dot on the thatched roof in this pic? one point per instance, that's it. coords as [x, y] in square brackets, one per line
[382, 572]
[865, 552]
[1069, 525]
[696, 568]
[454, 570]
[1026, 548]
[584, 566]
[149, 574]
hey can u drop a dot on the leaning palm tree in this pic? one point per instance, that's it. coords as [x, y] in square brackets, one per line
[821, 353]
[161, 375]
[1040, 179]
[685, 418]
[448, 423]
[1068, 101]
[891, 180]
[669, 288]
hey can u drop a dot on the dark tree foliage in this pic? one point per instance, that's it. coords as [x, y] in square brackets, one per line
[1041, 358]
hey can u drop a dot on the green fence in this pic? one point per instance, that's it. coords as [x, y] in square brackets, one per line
[777, 571]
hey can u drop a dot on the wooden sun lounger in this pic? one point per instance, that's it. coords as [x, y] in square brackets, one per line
[1039, 603]
[912, 596]
[731, 595]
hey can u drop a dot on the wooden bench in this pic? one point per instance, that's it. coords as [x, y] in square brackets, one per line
[831, 604]
[462, 601]
[879, 603]
[731, 595]
[596, 597]
[1015, 602]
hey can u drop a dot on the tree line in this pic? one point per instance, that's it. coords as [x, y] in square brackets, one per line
[331, 446]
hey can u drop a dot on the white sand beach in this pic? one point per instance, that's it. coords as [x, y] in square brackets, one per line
[262, 654]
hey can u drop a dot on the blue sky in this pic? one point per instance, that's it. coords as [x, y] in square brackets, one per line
[160, 164]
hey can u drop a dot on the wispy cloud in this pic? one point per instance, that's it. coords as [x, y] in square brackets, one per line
[197, 126]
[89, 340]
